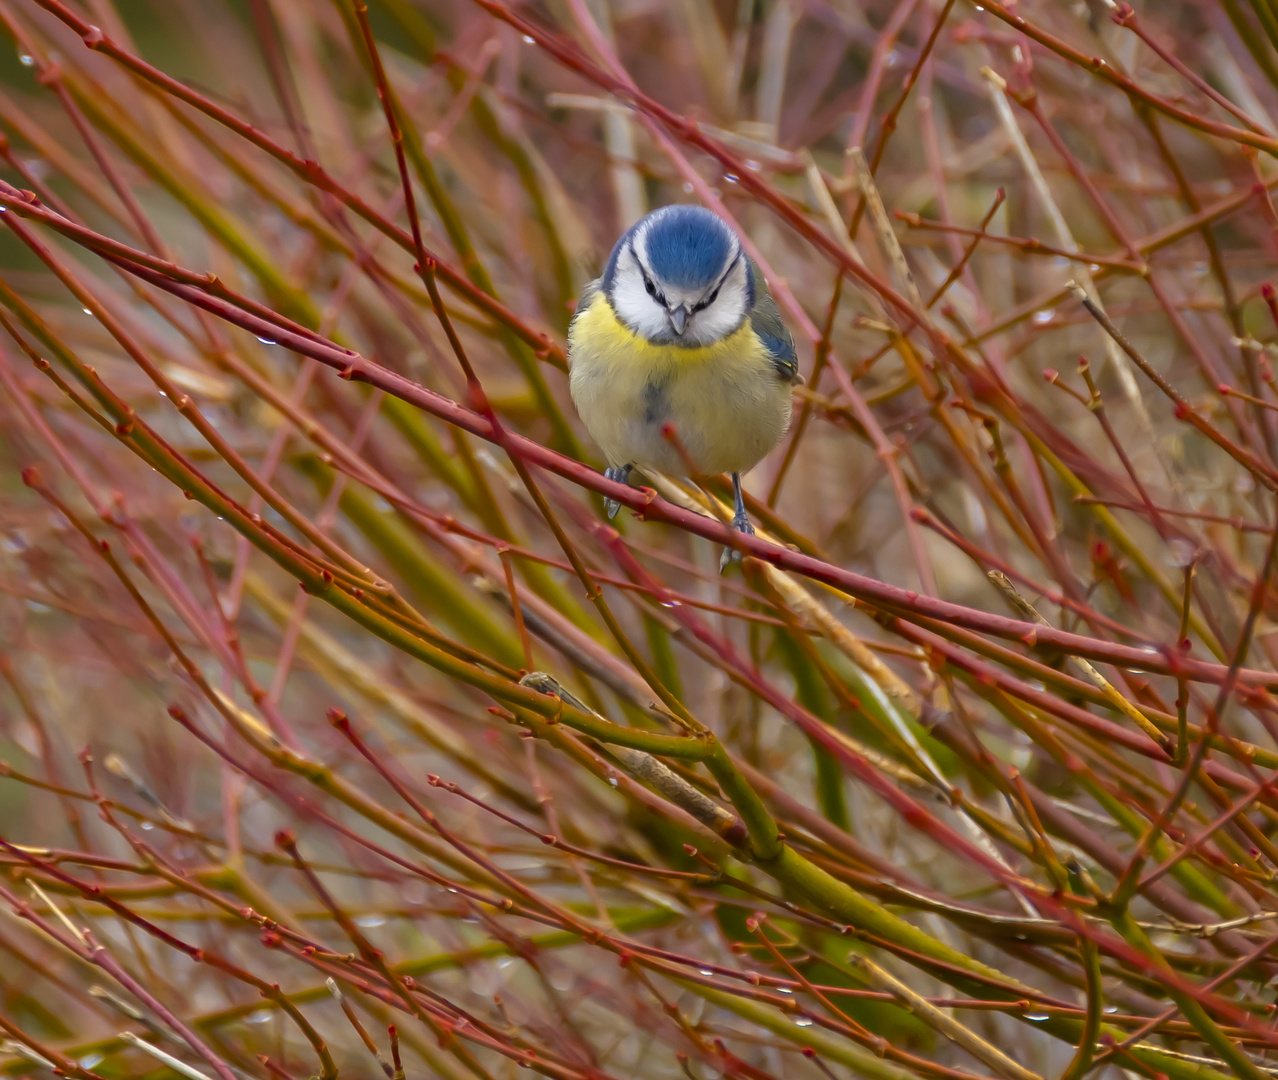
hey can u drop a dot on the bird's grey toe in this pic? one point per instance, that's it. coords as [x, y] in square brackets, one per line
[619, 474]
[730, 557]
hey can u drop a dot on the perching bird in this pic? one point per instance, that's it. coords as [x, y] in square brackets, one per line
[681, 331]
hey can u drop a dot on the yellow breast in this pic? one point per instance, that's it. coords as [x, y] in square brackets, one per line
[725, 401]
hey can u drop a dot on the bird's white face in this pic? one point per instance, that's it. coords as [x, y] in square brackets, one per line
[699, 309]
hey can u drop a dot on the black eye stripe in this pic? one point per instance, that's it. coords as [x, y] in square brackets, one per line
[652, 290]
[714, 295]
[649, 287]
[703, 304]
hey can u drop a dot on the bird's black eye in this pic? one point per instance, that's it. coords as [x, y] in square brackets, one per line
[647, 284]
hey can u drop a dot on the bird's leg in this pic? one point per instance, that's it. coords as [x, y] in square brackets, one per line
[621, 474]
[740, 522]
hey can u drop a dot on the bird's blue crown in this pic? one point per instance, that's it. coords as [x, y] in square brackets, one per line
[687, 246]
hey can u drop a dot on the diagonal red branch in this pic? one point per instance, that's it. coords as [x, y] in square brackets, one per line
[905, 603]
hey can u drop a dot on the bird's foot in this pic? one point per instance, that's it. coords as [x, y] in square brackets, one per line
[621, 475]
[732, 555]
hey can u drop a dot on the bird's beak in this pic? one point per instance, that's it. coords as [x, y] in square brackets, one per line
[678, 318]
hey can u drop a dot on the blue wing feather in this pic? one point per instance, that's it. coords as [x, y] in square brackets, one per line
[766, 321]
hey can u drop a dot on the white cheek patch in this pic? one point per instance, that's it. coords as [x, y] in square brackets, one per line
[633, 305]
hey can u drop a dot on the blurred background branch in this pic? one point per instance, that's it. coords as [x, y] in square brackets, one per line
[339, 731]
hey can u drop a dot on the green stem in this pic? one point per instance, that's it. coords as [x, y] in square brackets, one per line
[765, 837]
[861, 1062]
[1189, 1006]
[1082, 1060]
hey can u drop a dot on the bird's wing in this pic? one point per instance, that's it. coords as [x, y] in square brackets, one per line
[766, 321]
[588, 295]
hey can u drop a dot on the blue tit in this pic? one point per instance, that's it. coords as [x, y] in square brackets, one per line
[681, 330]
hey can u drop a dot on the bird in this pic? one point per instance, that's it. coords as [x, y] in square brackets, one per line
[680, 337]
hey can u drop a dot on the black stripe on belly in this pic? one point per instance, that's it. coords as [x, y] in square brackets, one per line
[655, 406]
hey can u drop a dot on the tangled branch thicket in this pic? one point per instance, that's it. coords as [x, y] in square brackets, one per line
[340, 731]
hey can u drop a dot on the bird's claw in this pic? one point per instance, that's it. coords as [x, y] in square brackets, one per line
[732, 556]
[619, 474]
